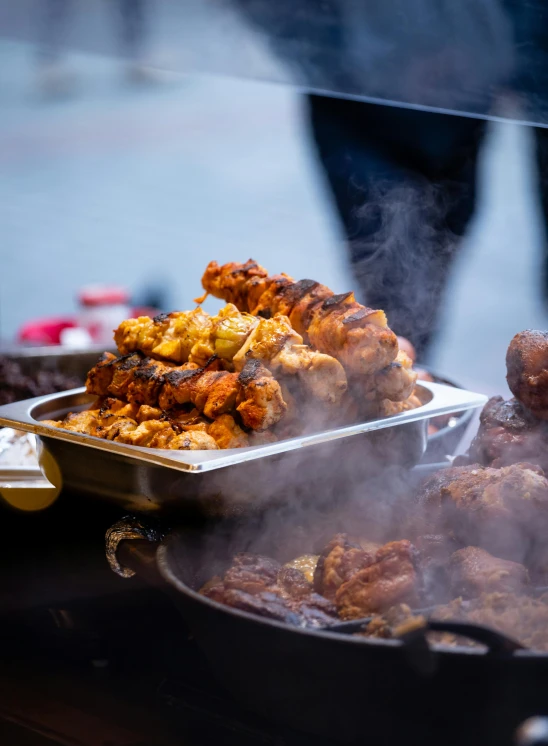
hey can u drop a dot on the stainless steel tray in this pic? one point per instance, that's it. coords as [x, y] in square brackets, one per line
[316, 467]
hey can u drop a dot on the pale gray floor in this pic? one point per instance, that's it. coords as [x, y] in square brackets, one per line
[139, 187]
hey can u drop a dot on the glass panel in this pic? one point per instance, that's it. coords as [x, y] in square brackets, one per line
[485, 58]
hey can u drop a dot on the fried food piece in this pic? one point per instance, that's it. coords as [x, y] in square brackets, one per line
[275, 343]
[504, 511]
[517, 616]
[169, 336]
[338, 562]
[527, 370]
[260, 586]
[396, 382]
[473, 571]
[337, 325]
[508, 434]
[388, 408]
[260, 401]
[393, 578]
[152, 433]
[226, 432]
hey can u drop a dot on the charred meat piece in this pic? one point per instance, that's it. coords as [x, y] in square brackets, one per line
[508, 434]
[473, 571]
[260, 586]
[527, 370]
[336, 325]
[340, 559]
[393, 578]
[252, 573]
[504, 511]
[281, 349]
[259, 399]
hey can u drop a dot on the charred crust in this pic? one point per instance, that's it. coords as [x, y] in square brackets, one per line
[250, 372]
[175, 377]
[148, 372]
[295, 291]
[335, 300]
[160, 318]
[127, 362]
[107, 358]
[357, 316]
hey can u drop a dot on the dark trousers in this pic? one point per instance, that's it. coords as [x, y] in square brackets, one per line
[404, 183]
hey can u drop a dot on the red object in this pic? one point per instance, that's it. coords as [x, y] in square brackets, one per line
[102, 295]
[45, 331]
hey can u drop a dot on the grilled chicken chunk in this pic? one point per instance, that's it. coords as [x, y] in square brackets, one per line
[275, 343]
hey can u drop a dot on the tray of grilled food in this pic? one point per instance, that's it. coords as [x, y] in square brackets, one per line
[228, 412]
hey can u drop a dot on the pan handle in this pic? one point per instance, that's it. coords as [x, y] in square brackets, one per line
[131, 545]
[423, 659]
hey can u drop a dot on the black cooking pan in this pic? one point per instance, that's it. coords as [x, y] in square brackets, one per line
[349, 689]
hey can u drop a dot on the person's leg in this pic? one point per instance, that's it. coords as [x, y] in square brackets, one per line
[541, 151]
[54, 24]
[404, 185]
[133, 27]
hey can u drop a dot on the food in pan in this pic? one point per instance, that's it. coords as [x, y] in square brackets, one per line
[260, 370]
[469, 545]
[517, 430]
[16, 385]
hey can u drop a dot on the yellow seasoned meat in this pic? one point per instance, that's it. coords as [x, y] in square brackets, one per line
[170, 335]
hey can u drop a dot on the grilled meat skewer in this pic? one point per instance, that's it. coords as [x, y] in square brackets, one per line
[337, 325]
[235, 337]
[253, 392]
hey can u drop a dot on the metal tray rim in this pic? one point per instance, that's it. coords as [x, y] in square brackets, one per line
[445, 399]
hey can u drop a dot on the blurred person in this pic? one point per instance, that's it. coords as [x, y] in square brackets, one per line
[55, 77]
[404, 179]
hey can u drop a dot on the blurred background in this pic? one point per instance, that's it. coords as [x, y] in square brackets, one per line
[140, 140]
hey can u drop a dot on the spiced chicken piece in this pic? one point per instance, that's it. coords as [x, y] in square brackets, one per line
[504, 511]
[509, 433]
[392, 578]
[527, 370]
[281, 349]
[473, 571]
